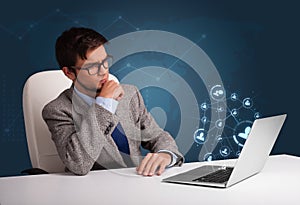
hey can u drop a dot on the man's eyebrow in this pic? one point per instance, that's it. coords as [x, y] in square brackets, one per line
[105, 57]
[90, 64]
[97, 61]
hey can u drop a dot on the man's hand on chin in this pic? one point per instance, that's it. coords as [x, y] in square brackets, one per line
[111, 89]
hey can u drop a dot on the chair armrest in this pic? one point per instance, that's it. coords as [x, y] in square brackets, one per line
[34, 171]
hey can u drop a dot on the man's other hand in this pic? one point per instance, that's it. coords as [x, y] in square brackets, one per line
[154, 163]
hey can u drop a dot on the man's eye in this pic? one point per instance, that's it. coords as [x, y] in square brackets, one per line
[90, 66]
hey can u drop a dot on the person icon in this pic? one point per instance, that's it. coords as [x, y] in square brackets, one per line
[204, 106]
[204, 119]
[257, 115]
[234, 112]
[247, 103]
[209, 158]
[224, 151]
[219, 124]
[200, 136]
[233, 96]
[245, 135]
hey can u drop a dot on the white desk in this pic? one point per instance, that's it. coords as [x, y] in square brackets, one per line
[278, 183]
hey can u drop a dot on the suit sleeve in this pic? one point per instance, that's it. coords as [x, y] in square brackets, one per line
[153, 137]
[79, 139]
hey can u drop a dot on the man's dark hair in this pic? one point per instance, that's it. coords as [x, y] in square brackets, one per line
[76, 42]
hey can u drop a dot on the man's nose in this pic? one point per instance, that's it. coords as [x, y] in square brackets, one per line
[102, 72]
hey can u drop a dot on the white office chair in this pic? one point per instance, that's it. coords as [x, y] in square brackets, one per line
[39, 89]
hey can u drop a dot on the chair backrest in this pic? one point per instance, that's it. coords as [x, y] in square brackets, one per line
[39, 89]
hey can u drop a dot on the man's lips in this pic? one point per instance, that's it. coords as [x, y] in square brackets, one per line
[103, 81]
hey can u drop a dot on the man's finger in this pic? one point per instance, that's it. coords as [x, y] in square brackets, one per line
[118, 93]
[162, 167]
[157, 163]
[149, 164]
[141, 167]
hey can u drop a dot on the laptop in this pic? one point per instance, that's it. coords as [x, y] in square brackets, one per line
[251, 161]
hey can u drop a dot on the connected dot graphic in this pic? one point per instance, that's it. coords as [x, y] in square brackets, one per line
[234, 128]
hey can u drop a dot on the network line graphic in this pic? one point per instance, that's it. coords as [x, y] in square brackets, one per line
[59, 13]
[240, 115]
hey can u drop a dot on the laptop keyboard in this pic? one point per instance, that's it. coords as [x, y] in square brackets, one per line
[219, 176]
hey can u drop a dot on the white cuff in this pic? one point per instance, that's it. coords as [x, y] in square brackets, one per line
[107, 103]
[174, 157]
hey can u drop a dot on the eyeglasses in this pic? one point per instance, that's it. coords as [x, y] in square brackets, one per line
[94, 68]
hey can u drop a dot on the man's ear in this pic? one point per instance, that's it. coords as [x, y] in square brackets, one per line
[70, 74]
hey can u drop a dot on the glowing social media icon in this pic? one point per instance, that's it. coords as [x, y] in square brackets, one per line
[200, 136]
[247, 103]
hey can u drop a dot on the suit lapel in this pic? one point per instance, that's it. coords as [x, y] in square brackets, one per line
[80, 107]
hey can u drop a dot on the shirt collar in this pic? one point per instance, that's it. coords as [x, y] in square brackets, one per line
[89, 100]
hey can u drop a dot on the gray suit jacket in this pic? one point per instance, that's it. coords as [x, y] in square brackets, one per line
[82, 133]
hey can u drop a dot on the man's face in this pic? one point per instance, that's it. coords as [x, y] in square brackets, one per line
[91, 84]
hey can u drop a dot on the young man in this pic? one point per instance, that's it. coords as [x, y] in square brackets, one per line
[98, 123]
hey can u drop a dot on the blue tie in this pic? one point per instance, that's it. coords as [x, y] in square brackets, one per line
[120, 139]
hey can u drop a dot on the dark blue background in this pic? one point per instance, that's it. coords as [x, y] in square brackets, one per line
[254, 45]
